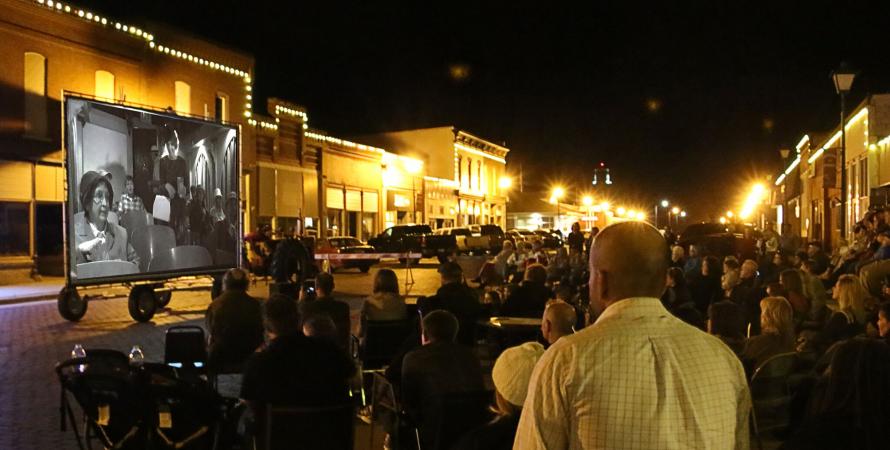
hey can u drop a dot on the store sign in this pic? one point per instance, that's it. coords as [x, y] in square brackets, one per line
[400, 201]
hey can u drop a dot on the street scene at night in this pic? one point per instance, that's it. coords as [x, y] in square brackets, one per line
[454, 226]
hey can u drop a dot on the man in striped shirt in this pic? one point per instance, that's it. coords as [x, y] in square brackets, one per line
[639, 378]
[129, 200]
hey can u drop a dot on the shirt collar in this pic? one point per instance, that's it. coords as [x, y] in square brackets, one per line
[634, 307]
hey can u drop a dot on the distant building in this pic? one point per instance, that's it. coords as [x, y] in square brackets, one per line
[463, 182]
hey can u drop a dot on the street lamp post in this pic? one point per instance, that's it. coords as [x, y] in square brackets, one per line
[558, 192]
[664, 204]
[843, 79]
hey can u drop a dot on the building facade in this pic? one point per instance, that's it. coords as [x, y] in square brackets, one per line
[50, 48]
[807, 193]
[465, 178]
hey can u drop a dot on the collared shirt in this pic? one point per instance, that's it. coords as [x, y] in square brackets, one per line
[130, 203]
[639, 378]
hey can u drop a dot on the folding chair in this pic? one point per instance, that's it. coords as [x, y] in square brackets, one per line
[100, 384]
[185, 348]
[180, 413]
[771, 394]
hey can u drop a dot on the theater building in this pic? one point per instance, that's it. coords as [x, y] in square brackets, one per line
[49, 48]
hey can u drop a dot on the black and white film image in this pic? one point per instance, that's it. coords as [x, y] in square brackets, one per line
[148, 193]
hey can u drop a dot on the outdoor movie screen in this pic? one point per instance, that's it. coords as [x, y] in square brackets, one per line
[150, 195]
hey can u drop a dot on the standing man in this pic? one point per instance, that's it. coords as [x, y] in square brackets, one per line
[638, 378]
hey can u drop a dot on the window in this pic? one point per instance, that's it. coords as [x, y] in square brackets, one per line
[863, 177]
[14, 229]
[222, 107]
[104, 85]
[183, 97]
[35, 94]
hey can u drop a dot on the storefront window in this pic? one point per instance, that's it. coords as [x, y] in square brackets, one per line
[334, 222]
[368, 226]
[14, 224]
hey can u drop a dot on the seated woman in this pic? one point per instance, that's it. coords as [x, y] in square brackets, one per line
[560, 266]
[385, 303]
[848, 320]
[777, 333]
[495, 271]
[511, 374]
[95, 238]
[726, 322]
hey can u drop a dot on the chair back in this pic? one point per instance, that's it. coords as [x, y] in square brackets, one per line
[383, 339]
[150, 241]
[771, 393]
[183, 411]
[310, 428]
[185, 347]
[100, 384]
[452, 416]
[134, 220]
[181, 257]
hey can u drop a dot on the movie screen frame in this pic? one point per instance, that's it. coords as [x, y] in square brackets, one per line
[149, 166]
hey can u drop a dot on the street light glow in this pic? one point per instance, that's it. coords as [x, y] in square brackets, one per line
[505, 182]
[587, 200]
[558, 192]
[675, 210]
[682, 213]
[641, 216]
[665, 203]
[754, 198]
[621, 211]
[729, 214]
[723, 220]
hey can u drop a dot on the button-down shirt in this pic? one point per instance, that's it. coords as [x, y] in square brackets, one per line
[639, 378]
[130, 203]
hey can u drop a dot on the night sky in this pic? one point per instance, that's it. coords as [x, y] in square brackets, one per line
[682, 100]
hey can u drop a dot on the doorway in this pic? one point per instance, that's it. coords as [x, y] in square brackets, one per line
[48, 241]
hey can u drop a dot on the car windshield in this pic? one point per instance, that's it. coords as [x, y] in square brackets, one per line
[419, 229]
[491, 229]
[345, 242]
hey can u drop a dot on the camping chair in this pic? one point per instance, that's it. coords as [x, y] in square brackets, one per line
[101, 385]
[180, 412]
[150, 241]
[310, 428]
[185, 348]
[771, 394]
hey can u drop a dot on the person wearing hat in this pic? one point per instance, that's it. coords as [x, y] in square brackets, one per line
[95, 238]
[510, 375]
[217, 212]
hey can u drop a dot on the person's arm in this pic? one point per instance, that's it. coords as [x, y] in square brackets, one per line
[410, 388]
[545, 420]
[743, 410]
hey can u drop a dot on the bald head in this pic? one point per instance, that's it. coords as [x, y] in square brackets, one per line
[558, 321]
[628, 259]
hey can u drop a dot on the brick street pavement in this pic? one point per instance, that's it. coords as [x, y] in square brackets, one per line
[34, 337]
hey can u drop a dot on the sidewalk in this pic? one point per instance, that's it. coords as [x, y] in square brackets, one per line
[46, 289]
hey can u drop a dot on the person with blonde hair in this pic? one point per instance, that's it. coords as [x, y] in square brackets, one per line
[777, 332]
[849, 318]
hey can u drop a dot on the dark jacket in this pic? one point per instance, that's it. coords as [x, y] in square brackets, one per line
[762, 347]
[460, 300]
[495, 435]
[528, 300]
[433, 371]
[235, 322]
[336, 310]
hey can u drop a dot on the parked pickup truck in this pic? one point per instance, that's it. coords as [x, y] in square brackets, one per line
[493, 233]
[464, 239]
[414, 239]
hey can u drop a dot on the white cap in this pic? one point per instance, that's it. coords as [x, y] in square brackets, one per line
[513, 370]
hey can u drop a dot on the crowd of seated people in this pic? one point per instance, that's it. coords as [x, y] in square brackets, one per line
[656, 349]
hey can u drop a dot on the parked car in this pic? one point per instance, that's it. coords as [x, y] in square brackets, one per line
[523, 236]
[494, 233]
[414, 239]
[720, 240]
[549, 239]
[347, 245]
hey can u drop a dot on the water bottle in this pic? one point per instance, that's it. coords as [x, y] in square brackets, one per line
[137, 357]
[79, 352]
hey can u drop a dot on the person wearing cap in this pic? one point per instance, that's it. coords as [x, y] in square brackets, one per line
[510, 375]
[95, 238]
[456, 297]
[217, 212]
